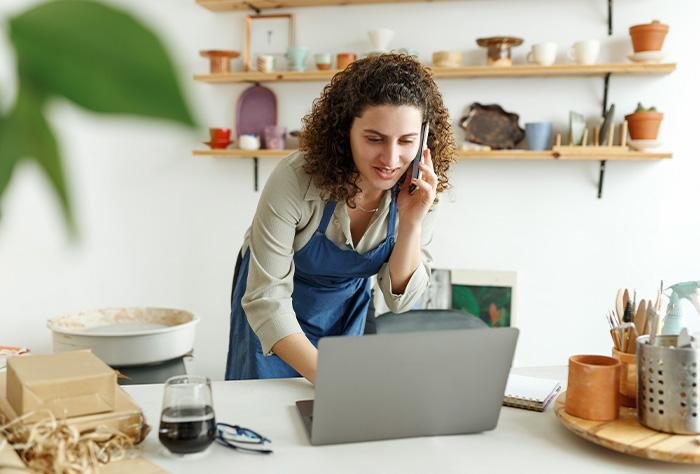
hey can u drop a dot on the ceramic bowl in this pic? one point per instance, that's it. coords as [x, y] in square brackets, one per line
[447, 58]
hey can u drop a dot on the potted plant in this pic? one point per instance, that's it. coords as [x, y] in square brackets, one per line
[648, 36]
[644, 123]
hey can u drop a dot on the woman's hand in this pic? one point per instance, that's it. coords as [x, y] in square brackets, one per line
[413, 207]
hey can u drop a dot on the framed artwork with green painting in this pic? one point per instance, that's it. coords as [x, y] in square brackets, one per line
[488, 295]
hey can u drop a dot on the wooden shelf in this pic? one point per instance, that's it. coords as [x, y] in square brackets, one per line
[238, 5]
[469, 155]
[238, 153]
[467, 72]
[580, 155]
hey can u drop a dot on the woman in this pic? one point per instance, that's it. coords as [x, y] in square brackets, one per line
[337, 212]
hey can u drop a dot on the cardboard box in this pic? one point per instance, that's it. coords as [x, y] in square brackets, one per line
[127, 416]
[68, 384]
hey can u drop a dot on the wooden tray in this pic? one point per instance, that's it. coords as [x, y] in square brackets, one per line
[628, 436]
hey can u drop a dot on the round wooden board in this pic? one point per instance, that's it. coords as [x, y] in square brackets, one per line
[628, 436]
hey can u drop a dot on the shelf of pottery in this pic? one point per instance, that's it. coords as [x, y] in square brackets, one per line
[490, 131]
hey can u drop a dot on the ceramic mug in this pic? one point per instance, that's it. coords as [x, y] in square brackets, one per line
[249, 142]
[323, 61]
[592, 387]
[585, 52]
[265, 63]
[296, 55]
[274, 137]
[539, 135]
[343, 60]
[544, 54]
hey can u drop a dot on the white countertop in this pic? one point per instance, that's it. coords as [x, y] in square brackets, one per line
[523, 441]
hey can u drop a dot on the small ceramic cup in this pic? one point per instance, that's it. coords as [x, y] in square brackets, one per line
[249, 142]
[628, 378]
[380, 38]
[447, 58]
[592, 388]
[539, 135]
[220, 134]
[585, 52]
[296, 55]
[323, 61]
[544, 54]
[265, 63]
[274, 137]
[343, 60]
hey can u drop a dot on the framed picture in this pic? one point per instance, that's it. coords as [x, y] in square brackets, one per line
[488, 295]
[267, 34]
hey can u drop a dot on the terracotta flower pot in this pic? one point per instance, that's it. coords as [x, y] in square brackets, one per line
[628, 378]
[593, 386]
[648, 37]
[644, 125]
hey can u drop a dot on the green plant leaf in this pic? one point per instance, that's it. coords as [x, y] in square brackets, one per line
[29, 136]
[98, 57]
[9, 155]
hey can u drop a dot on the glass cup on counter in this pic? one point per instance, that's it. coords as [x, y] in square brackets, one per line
[187, 422]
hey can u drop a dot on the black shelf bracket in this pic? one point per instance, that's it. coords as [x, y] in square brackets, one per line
[606, 88]
[601, 173]
[255, 173]
[257, 10]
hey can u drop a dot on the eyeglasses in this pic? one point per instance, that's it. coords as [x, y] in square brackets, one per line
[242, 439]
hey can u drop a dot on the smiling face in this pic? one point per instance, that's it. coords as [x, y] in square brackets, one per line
[384, 140]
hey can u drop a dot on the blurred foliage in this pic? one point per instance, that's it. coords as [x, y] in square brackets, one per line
[97, 57]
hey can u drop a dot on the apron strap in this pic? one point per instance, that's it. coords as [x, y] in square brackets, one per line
[327, 213]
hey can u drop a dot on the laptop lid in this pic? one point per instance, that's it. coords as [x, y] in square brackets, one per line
[410, 384]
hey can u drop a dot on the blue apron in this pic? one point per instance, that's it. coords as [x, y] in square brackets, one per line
[331, 295]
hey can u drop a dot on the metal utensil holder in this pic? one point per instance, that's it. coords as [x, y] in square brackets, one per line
[667, 386]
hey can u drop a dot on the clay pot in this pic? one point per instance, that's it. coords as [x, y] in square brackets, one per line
[628, 378]
[648, 37]
[343, 60]
[593, 386]
[644, 125]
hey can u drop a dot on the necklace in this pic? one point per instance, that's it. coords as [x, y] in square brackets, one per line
[367, 210]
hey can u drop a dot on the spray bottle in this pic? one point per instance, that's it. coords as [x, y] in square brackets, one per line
[689, 290]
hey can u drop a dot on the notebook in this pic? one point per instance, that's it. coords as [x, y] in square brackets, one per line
[530, 393]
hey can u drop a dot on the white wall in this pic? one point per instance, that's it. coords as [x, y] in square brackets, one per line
[160, 227]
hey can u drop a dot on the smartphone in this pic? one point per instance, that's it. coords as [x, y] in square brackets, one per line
[419, 155]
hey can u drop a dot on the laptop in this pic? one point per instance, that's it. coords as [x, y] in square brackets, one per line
[409, 384]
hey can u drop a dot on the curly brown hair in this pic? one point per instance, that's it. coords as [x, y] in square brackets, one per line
[386, 79]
